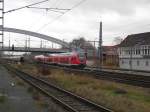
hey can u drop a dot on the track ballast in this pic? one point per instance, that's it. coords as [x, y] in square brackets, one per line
[68, 100]
[121, 77]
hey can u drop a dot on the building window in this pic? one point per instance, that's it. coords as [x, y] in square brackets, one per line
[129, 52]
[129, 62]
[133, 51]
[146, 63]
[148, 51]
[138, 63]
[122, 62]
[145, 51]
[138, 52]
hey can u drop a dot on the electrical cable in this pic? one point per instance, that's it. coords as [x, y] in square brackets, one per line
[51, 9]
[45, 25]
[55, 3]
[25, 6]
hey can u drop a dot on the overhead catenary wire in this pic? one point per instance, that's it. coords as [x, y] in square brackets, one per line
[53, 3]
[76, 5]
[51, 9]
[56, 11]
[58, 2]
[12, 10]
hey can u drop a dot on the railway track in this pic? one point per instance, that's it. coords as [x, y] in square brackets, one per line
[131, 79]
[68, 100]
[121, 77]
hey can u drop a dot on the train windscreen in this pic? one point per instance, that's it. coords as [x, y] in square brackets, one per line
[82, 55]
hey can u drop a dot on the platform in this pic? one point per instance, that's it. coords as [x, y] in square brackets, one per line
[17, 99]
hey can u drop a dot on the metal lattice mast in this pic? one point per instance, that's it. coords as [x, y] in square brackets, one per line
[2, 12]
[2, 22]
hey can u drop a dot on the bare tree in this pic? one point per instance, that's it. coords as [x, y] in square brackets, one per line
[117, 40]
[81, 43]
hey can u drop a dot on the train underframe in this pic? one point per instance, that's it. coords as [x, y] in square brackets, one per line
[76, 66]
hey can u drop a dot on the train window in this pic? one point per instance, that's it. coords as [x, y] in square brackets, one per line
[81, 55]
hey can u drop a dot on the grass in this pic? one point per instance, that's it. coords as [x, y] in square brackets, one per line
[30, 89]
[119, 97]
[116, 96]
[43, 104]
[2, 98]
[35, 94]
[19, 82]
[38, 98]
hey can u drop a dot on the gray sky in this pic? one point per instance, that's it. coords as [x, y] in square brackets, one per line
[120, 18]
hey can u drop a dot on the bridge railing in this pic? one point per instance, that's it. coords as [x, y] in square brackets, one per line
[27, 49]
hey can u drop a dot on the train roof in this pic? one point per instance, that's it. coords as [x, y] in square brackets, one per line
[39, 56]
[64, 54]
[74, 53]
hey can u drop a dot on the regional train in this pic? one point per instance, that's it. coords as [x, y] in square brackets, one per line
[70, 59]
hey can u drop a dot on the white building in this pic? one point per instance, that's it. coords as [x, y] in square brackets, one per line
[134, 52]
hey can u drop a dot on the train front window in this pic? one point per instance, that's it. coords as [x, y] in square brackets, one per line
[81, 55]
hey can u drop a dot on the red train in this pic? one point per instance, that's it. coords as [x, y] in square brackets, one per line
[71, 59]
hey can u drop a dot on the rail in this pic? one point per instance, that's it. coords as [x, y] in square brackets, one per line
[111, 75]
[121, 77]
[67, 99]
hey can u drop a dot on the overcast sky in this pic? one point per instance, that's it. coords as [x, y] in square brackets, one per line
[120, 18]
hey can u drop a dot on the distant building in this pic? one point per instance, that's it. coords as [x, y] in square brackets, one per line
[134, 52]
[110, 55]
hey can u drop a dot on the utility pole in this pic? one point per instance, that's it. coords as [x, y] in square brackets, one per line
[45, 42]
[2, 13]
[100, 46]
[9, 41]
[29, 42]
[41, 45]
[94, 53]
[52, 45]
[26, 43]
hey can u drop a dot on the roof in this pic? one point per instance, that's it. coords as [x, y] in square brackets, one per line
[136, 40]
[110, 50]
